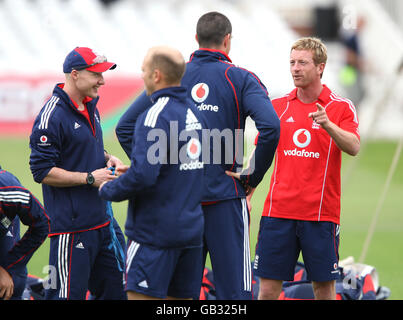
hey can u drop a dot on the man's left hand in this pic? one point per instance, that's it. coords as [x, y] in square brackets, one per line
[118, 164]
[248, 188]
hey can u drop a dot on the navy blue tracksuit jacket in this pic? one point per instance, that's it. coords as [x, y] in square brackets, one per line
[225, 95]
[62, 137]
[16, 202]
[164, 183]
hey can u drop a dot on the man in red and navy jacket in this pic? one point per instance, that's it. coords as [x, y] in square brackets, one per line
[68, 158]
[226, 95]
[17, 203]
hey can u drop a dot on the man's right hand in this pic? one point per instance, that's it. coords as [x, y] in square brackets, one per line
[6, 284]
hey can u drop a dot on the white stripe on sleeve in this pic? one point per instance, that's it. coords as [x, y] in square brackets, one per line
[155, 110]
[50, 106]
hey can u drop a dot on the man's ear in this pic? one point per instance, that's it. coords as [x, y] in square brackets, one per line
[227, 42]
[197, 38]
[321, 67]
[74, 74]
[157, 75]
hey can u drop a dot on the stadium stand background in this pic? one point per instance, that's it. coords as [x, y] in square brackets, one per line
[37, 34]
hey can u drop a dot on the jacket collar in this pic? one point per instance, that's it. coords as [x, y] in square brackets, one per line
[324, 96]
[211, 54]
[90, 103]
[176, 92]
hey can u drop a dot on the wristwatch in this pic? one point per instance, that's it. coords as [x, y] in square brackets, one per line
[90, 179]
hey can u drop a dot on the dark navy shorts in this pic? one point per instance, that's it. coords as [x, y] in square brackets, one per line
[82, 262]
[280, 242]
[162, 272]
[226, 239]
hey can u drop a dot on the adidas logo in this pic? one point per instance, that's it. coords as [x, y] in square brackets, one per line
[290, 119]
[6, 222]
[143, 284]
[76, 125]
[80, 245]
[191, 121]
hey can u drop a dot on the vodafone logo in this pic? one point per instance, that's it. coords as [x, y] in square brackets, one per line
[200, 92]
[302, 138]
[43, 141]
[193, 148]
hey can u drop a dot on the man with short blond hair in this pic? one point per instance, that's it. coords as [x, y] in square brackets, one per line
[315, 45]
[302, 209]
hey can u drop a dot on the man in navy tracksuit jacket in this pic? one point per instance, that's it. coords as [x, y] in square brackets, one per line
[68, 158]
[164, 185]
[17, 203]
[226, 95]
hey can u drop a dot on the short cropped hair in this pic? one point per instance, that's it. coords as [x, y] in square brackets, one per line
[315, 45]
[211, 29]
[173, 70]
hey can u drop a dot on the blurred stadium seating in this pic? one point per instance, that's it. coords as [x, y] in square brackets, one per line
[37, 34]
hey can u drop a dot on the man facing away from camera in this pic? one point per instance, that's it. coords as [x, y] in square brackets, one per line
[164, 185]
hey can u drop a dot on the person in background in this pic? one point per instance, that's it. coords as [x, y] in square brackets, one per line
[352, 74]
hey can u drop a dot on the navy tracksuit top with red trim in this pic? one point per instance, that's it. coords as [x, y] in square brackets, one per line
[225, 94]
[62, 137]
[16, 202]
[164, 183]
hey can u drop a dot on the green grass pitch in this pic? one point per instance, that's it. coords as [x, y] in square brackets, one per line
[363, 180]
